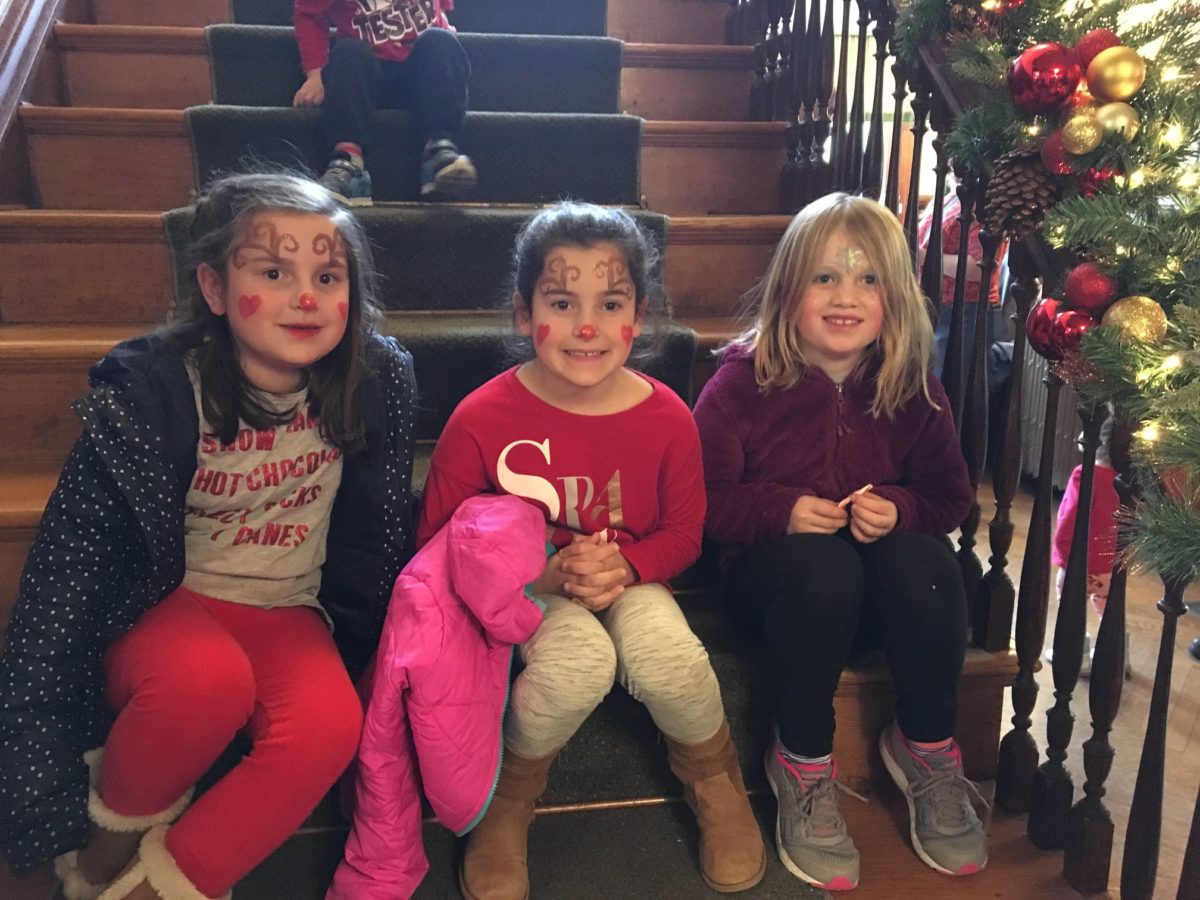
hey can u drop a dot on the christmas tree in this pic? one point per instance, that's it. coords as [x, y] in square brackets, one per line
[1107, 98]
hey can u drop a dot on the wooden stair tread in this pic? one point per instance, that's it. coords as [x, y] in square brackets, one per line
[687, 56]
[129, 38]
[23, 496]
[23, 344]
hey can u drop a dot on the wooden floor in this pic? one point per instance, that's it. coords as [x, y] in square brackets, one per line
[1017, 870]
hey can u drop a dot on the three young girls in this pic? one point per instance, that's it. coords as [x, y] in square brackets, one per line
[613, 459]
[834, 473]
[240, 488]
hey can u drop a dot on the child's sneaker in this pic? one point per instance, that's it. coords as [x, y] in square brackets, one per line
[945, 831]
[809, 830]
[1089, 651]
[347, 182]
[445, 173]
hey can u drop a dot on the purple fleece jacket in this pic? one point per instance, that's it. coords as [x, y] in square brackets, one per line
[763, 451]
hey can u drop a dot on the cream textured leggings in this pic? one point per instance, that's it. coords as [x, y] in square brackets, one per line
[643, 640]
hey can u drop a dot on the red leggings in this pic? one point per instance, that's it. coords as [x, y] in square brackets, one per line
[191, 674]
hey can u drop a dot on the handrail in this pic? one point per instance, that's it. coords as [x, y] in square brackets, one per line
[24, 30]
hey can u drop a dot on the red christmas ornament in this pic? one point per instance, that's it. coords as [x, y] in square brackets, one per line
[1091, 181]
[1039, 325]
[1068, 330]
[1093, 42]
[1054, 154]
[1089, 289]
[1081, 99]
[1043, 76]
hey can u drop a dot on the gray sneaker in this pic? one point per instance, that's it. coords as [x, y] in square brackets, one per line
[945, 831]
[809, 830]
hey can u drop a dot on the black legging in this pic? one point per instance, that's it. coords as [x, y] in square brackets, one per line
[813, 598]
[432, 82]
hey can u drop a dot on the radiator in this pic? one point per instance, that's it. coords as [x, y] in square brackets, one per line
[1033, 411]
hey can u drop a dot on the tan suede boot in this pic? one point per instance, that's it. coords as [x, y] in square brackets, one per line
[496, 866]
[732, 857]
[112, 840]
[154, 875]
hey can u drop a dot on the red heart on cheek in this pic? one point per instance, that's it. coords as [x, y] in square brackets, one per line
[344, 309]
[248, 305]
[627, 334]
[543, 332]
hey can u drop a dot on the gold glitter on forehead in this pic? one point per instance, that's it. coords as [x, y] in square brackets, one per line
[851, 256]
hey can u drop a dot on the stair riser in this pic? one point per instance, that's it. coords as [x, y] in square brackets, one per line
[668, 21]
[137, 80]
[140, 171]
[686, 94]
[139, 12]
[56, 282]
[711, 279]
[14, 546]
[40, 426]
[696, 180]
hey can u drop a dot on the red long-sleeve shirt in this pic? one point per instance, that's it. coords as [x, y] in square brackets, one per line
[389, 26]
[637, 472]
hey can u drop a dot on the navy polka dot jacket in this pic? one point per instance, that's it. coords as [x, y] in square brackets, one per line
[110, 546]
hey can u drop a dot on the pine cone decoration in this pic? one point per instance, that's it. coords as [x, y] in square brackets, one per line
[966, 16]
[1019, 194]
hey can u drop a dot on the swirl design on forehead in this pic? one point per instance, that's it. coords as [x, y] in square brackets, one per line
[617, 273]
[331, 245]
[557, 274]
[264, 237]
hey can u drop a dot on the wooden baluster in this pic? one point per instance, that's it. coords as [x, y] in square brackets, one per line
[840, 151]
[974, 423]
[1190, 876]
[785, 98]
[1139, 864]
[922, 100]
[820, 42]
[891, 197]
[872, 171]
[852, 176]
[771, 56]
[1090, 827]
[759, 90]
[798, 177]
[931, 271]
[996, 596]
[954, 375]
[733, 23]
[1018, 751]
[1050, 805]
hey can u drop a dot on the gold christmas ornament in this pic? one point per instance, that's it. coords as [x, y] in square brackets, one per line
[1082, 133]
[1116, 73]
[1119, 118]
[1139, 318]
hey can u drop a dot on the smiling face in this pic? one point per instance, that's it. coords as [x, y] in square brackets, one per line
[840, 310]
[582, 317]
[286, 294]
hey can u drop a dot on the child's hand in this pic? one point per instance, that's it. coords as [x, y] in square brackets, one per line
[813, 515]
[312, 92]
[871, 517]
[594, 571]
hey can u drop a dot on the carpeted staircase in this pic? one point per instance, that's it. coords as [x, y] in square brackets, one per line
[93, 262]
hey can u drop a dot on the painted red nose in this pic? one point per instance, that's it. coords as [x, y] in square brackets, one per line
[587, 332]
[308, 302]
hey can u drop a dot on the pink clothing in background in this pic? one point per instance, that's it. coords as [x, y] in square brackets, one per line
[1102, 530]
[437, 691]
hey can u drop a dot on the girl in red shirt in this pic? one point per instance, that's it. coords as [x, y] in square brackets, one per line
[613, 458]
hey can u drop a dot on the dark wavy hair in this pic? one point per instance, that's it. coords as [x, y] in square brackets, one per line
[570, 223]
[223, 214]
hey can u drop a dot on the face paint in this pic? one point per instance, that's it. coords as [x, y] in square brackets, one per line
[265, 237]
[852, 256]
[557, 274]
[587, 332]
[330, 245]
[543, 332]
[308, 303]
[615, 270]
[248, 305]
[343, 309]
[627, 334]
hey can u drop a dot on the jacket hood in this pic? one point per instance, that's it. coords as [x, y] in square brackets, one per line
[495, 547]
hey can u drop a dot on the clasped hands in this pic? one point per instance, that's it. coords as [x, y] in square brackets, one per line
[590, 570]
[870, 516]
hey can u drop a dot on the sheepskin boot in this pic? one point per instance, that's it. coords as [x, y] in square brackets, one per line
[495, 866]
[732, 856]
[154, 875]
[112, 840]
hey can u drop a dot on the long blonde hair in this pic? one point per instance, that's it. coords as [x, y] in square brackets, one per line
[905, 342]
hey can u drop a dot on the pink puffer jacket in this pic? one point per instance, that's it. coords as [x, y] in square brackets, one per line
[439, 689]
